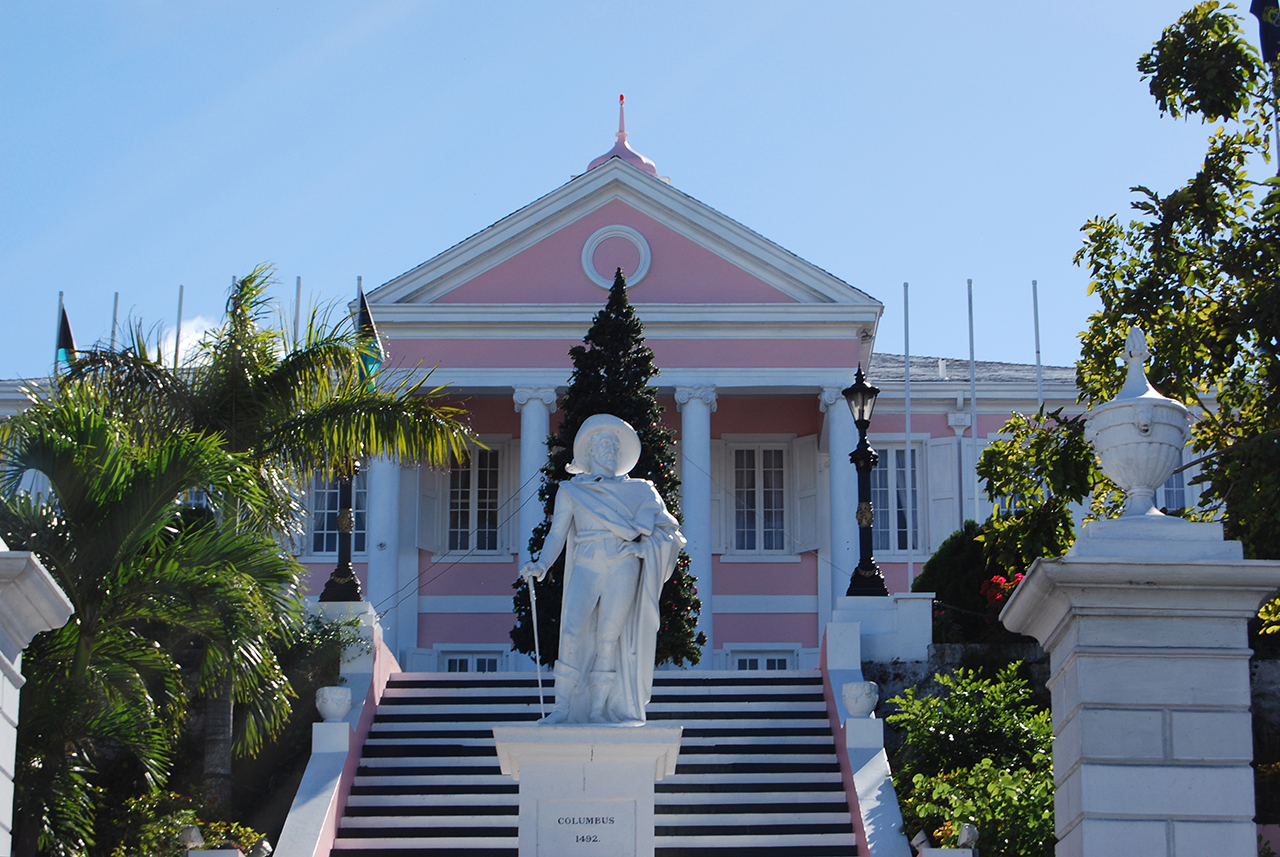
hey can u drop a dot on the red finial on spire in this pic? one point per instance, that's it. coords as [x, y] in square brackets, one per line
[622, 98]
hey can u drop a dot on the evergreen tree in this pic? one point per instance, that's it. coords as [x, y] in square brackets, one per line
[611, 371]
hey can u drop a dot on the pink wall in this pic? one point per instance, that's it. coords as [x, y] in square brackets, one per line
[895, 573]
[464, 578]
[758, 578]
[890, 422]
[551, 270]
[670, 353]
[799, 628]
[437, 628]
[797, 415]
[489, 414]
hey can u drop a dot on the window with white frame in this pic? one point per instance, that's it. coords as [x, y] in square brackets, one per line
[1174, 496]
[894, 500]
[323, 536]
[769, 661]
[474, 502]
[759, 498]
[764, 497]
[467, 511]
[461, 663]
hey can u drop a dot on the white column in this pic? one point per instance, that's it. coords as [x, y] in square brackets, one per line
[404, 633]
[30, 602]
[842, 437]
[696, 405]
[535, 406]
[383, 539]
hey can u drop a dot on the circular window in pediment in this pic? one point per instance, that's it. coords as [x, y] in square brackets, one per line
[612, 247]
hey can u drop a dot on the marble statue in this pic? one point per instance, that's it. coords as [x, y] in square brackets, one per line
[621, 546]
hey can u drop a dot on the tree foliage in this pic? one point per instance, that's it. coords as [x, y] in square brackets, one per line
[1197, 268]
[141, 571]
[977, 753]
[1033, 474]
[611, 372]
[170, 489]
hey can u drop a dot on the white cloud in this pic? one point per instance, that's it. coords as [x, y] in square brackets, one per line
[193, 329]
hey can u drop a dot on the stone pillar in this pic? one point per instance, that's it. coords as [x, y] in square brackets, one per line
[587, 789]
[535, 406]
[382, 538]
[842, 437]
[30, 602]
[1144, 622]
[696, 404]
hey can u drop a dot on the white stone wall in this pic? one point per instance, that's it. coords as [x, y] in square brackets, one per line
[30, 602]
[8, 750]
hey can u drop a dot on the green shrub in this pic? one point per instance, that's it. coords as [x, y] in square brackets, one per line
[979, 753]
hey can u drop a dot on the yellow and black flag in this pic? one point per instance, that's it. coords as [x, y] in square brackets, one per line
[66, 345]
[371, 353]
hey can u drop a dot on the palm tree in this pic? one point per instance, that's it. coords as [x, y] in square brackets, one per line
[289, 408]
[139, 568]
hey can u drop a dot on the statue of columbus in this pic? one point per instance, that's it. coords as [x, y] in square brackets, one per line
[621, 546]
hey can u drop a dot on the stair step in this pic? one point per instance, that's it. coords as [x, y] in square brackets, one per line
[757, 773]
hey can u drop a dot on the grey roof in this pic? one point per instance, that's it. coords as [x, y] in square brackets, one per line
[889, 367]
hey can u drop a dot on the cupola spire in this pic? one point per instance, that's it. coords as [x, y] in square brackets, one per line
[622, 149]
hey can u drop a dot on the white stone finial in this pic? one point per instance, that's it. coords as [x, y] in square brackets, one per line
[1140, 434]
[1136, 356]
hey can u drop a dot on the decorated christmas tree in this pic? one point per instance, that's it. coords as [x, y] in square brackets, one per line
[611, 372]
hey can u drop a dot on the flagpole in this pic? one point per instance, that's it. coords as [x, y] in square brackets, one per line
[177, 333]
[57, 334]
[973, 402]
[115, 313]
[911, 452]
[297, 311]
[1035, 312]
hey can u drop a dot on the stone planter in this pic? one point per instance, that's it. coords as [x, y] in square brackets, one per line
[333, 703]
[860, 697]
[1139, 436]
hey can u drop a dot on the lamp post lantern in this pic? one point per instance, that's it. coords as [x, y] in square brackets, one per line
[861, 396]
[343, 585]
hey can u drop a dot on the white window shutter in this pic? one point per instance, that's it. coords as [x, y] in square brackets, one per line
[803, 515]
[972, 452]
[431, 513]
[944, 511]
[718, 490]
[508, 499]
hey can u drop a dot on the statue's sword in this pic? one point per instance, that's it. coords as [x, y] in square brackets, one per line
[537, 650]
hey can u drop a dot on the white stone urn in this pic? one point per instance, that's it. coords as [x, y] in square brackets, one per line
[1140, 434]
[333, 703]
[860, 697]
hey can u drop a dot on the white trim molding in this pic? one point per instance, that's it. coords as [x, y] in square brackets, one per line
[603, 234]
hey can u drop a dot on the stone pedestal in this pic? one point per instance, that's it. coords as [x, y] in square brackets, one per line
[1144, 622]
[587, 790]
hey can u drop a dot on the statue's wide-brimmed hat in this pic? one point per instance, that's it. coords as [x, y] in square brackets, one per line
[628, 443]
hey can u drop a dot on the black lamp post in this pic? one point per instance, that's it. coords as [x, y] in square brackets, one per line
[861, 396]
[343, 585]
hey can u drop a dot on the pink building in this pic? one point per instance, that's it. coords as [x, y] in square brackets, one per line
[754, 344]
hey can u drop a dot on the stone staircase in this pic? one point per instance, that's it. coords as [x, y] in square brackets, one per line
[757, 773]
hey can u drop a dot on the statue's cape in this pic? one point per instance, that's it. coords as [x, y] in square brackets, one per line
[629, 508]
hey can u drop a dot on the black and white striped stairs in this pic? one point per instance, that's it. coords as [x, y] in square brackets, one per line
[757, 773]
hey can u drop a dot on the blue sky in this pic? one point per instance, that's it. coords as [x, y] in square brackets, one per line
[146, 145]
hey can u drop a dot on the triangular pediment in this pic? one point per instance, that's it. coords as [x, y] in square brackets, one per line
[616, 215]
